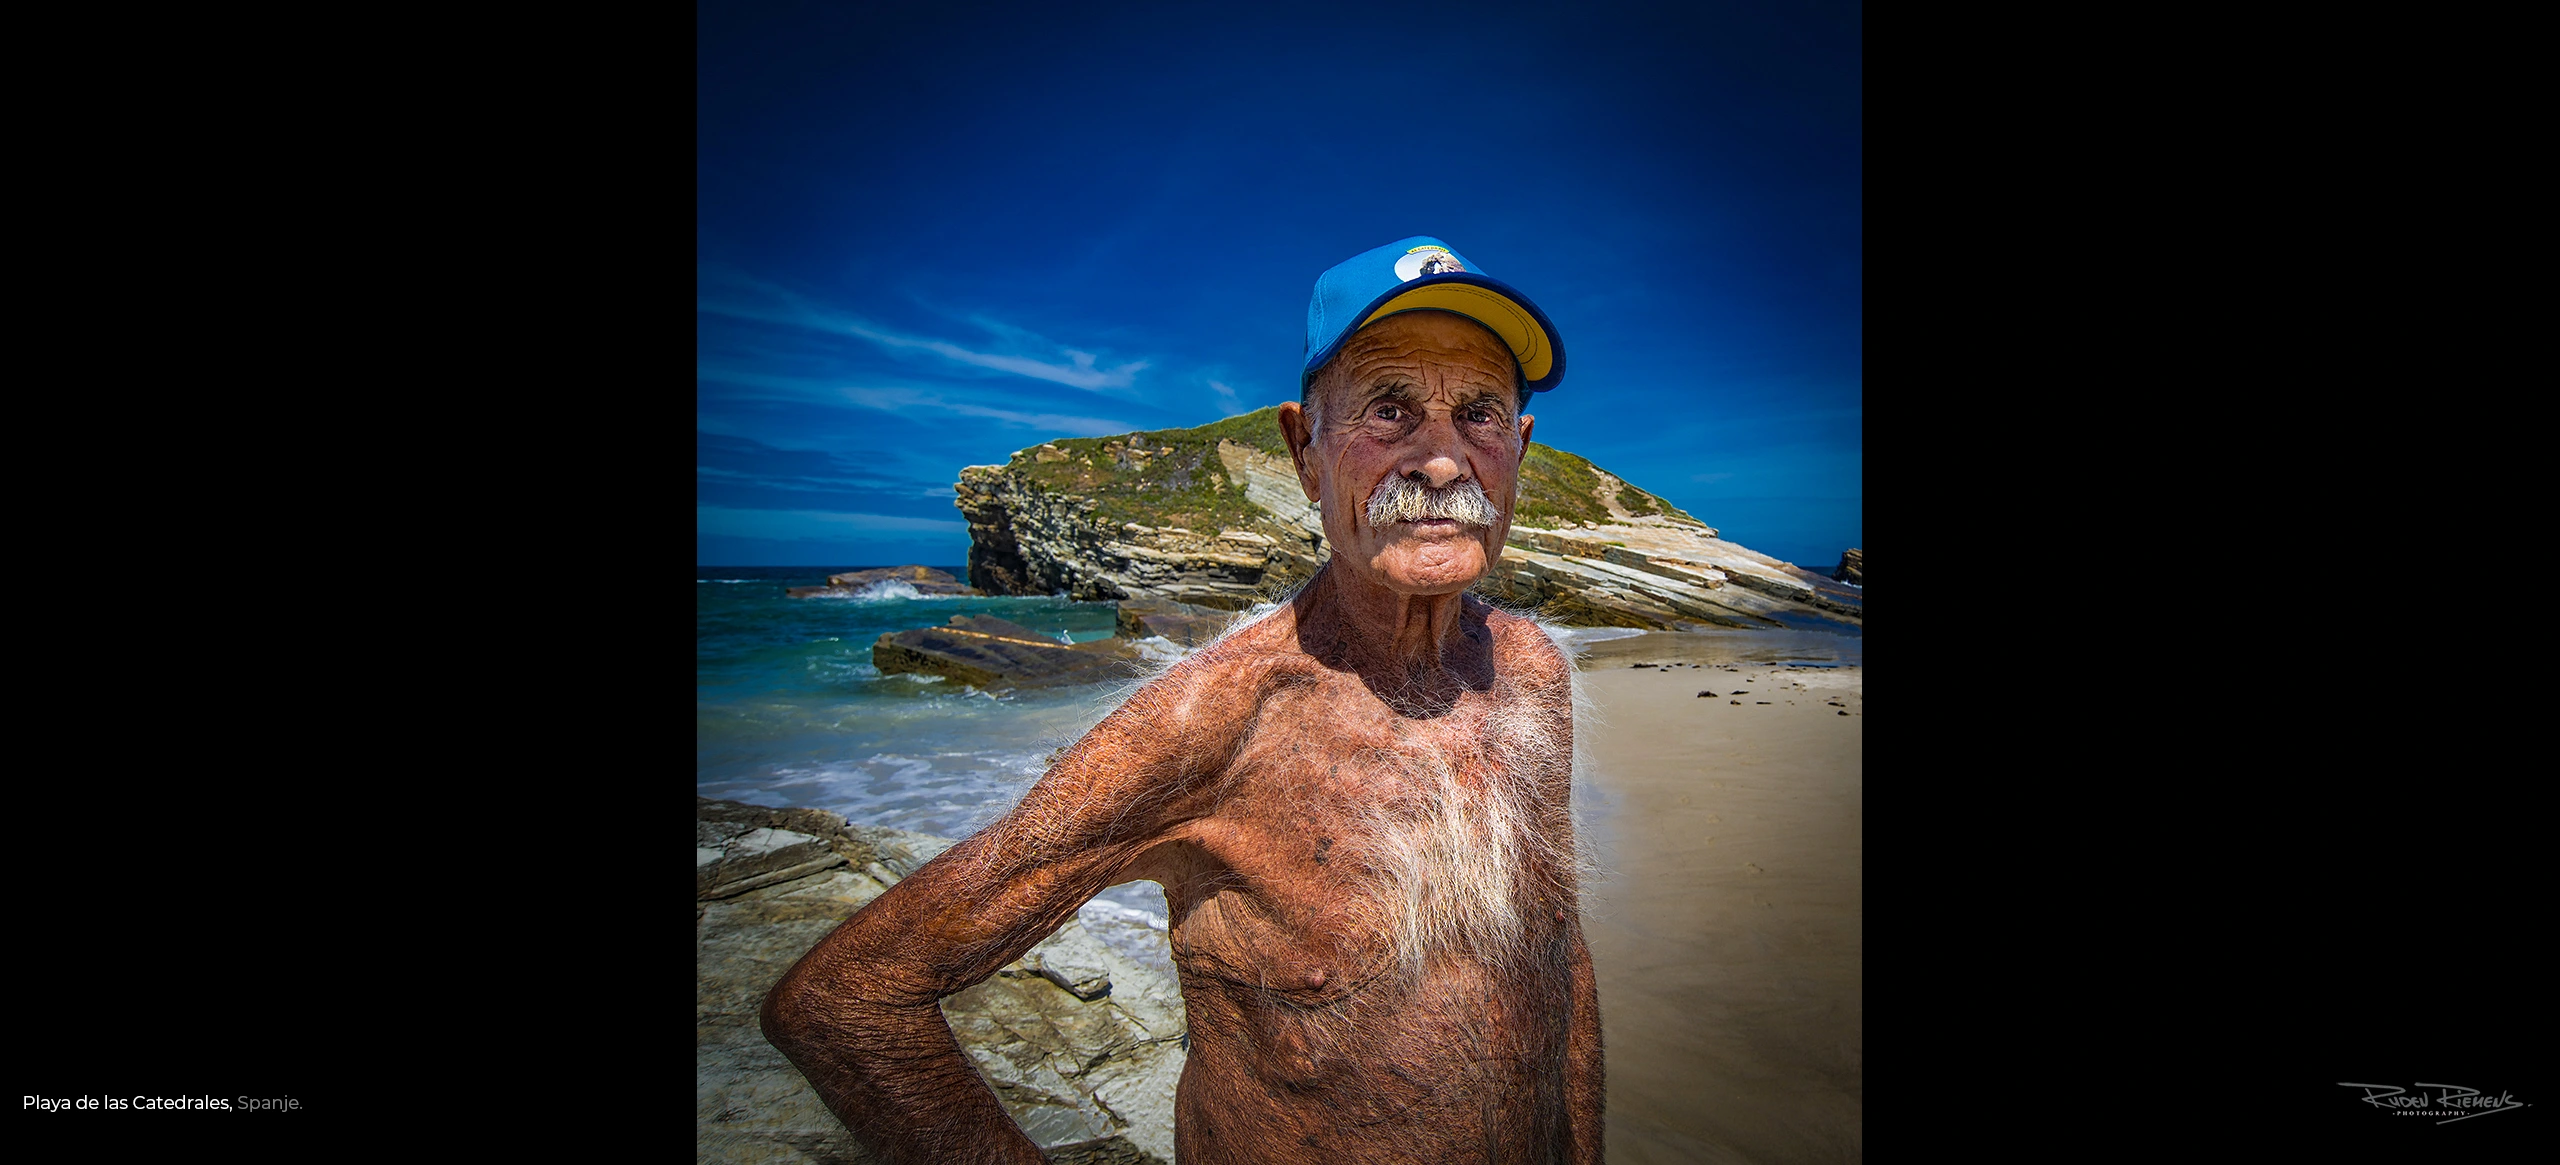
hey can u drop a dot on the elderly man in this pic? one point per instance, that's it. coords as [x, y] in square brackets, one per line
[1357, 806]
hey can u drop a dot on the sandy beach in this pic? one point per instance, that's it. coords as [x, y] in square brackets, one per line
[1725, 924]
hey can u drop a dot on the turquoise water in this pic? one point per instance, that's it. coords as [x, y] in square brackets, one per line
[789, 711]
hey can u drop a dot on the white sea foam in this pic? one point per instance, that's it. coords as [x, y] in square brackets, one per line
[1156, 649]
[786, 778]
[1104, 909]
[883, 591]
[1129, 918]
[950, 794]
[1575, 637]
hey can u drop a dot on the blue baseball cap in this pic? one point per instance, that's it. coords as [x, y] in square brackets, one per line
[1422, 273]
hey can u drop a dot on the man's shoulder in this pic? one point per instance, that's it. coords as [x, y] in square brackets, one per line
[1261, 642]
[1174, 725]
[1523, 649]
[1243, 663]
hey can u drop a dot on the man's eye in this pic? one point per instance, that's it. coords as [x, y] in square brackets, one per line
[1389, 413]
[1479, 416]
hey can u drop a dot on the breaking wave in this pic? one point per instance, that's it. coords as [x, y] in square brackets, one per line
[884, 591]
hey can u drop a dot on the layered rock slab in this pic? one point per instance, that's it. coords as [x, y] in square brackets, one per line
[1180, 623]
[1082, 1046]
[998, 655]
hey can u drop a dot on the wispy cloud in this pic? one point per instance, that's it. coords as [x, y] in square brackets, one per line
[801, 389]
[1229, 402]
[765, 302]
[1080, 374]
[741, 458]
[908, 400]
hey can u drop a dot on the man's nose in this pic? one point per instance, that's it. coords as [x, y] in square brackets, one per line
[1436, 459]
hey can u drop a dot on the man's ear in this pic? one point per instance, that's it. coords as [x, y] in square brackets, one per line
[1526, 421]
[1300, 436]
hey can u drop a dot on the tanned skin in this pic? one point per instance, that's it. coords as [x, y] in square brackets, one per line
[1248, 781]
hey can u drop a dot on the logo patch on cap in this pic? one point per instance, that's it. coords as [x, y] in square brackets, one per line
[1426, 260]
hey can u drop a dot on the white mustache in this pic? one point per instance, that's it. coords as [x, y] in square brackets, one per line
[1402, 499]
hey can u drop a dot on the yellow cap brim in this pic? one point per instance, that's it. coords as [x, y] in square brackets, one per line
[1492, 309]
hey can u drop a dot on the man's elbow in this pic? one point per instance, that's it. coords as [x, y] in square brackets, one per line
[792, 1017]
[805, 1016]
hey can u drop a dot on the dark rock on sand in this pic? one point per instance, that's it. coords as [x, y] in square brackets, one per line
[996, 655]
[1851, 561]
[1081, 1045]
[1183, 623]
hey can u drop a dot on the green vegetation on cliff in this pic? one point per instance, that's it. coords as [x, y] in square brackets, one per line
[1259, 428]
[1170, 477]
[1173, 477]
[1561, 489]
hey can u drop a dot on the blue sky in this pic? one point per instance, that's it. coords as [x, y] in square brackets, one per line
[928, 236]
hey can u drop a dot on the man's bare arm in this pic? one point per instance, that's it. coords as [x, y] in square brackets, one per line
[860, 1014]
[1550, 673]
[1585, 1083]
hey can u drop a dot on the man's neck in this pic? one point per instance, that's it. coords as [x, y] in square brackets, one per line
[1408, 648]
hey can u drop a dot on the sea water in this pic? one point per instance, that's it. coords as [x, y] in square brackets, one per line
[788, 711]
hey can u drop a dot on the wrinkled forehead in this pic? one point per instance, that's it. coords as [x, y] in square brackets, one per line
[1435, 344]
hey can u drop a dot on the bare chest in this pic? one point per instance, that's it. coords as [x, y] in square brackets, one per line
[1350, 845]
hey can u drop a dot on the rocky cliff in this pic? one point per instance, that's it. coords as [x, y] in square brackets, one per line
[1213, 516]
